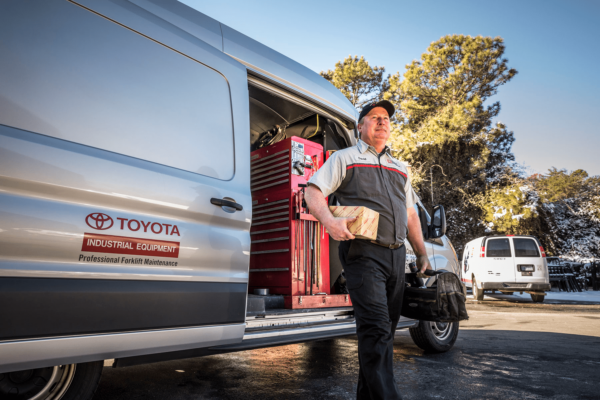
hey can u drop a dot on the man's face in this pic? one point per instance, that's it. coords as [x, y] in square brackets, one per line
[375, 129]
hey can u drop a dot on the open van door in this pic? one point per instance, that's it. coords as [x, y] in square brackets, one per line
[125, 186]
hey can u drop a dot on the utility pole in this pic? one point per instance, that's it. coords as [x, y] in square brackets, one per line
[431, 182]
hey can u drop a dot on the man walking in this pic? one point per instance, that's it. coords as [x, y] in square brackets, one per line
[367, 175]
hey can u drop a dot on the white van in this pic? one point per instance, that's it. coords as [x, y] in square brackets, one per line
[507, 264]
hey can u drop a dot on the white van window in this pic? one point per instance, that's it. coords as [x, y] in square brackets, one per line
[526, 248]
[498, 248]
[112, 89]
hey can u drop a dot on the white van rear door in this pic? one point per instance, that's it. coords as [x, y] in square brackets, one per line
[529, 264]
[499, 263]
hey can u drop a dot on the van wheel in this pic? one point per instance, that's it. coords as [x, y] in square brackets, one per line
[477, 293]
[537, 298]
[64, 382]
[435, 337]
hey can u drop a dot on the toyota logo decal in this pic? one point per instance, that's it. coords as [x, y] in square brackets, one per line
[99, 221]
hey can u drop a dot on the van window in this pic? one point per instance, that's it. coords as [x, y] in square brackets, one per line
[113, 89]
[420, 210]
[498, 248]
[526, 248]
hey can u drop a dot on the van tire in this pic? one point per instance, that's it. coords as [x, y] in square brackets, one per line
[66, 382]
[477, 293]
[537, 298]
[435, 337]
[85, 382]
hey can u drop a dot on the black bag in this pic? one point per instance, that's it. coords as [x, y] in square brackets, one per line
[443, 303]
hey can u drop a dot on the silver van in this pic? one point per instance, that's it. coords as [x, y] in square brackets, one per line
[125, 207]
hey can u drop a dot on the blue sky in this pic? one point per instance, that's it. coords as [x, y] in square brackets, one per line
[552, 105]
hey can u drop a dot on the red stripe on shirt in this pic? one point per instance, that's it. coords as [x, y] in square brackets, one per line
[393, 169]
[361, 165]
[375, 166]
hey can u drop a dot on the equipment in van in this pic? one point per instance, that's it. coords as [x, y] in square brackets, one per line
[444, 302]
[289, 253]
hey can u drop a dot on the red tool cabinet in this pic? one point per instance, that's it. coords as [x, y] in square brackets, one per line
[289, 252]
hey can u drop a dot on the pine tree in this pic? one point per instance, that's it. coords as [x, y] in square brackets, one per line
[571, 202]
[360, 82]
[561, 209]
[559, 185]
[445, 130]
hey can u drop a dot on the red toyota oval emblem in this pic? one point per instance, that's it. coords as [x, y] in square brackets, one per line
[99, 221]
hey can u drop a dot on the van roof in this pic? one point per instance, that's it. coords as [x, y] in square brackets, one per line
[516, 236]
[498, 236]
[484, 238]
[258, 58]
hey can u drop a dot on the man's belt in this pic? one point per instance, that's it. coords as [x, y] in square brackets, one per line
[389, 246]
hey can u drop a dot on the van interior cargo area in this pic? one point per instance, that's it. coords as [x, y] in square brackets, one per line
[273, 118]
[290, 255]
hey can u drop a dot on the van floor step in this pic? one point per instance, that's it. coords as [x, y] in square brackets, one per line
[289, 319]
[286, 311]
[267, 339]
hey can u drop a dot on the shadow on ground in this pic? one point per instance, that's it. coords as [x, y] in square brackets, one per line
[490, 364]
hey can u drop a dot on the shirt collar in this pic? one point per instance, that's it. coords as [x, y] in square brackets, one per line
[362, 147]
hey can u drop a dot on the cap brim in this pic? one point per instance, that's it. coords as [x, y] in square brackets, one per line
[389, 107]
[385, 104]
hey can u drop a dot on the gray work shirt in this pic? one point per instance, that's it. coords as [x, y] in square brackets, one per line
[359, 176]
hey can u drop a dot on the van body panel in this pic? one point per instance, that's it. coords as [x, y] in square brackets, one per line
[443, 255]
[112, 218]
[468, 262]
[39, 353]
[254, 55]
[195, 23]
[159, 20]
[277, 67]
[42, 307]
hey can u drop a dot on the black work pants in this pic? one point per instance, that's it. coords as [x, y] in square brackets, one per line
[375, 280]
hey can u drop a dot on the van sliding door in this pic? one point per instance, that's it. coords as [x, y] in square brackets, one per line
[125, 194]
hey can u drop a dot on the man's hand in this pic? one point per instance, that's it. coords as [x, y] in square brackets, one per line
[423, 263]
[338, 228]
[415, 237]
